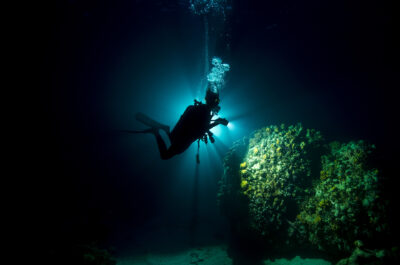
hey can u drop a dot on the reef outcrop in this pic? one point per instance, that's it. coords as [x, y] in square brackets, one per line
[286, 186]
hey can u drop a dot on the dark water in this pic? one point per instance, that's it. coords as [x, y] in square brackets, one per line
[327, 65]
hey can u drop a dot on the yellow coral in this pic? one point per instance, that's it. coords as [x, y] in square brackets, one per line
[242, 165]
[323, 203]
[334, 227]
[255, 150]
[244, 183]
[244, 171]
[323, 175]
[317, 219]
[277, 192]
[277, 141]
[264, 157]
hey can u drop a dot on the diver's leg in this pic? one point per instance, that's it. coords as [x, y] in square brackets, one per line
[152, 123]
[162, 147]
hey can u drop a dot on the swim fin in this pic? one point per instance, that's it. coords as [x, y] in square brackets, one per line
[150, 122]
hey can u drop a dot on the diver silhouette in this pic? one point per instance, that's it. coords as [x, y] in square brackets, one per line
[194, 124]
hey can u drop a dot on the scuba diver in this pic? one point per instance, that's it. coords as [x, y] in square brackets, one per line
[194, 124]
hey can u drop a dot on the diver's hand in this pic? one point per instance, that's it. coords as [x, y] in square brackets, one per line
[222, 121]
[217, 122]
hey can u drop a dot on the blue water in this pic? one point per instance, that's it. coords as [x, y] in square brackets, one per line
[326, 65]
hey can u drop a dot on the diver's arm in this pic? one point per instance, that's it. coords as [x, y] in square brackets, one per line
[219, 121]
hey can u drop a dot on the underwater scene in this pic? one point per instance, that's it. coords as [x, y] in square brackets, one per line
[215, 132]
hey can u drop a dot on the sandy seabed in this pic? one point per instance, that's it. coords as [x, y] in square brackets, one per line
[212, 255]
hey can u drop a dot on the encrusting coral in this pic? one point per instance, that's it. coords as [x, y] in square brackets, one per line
[345, 204]
[282, 181]
[273, 170]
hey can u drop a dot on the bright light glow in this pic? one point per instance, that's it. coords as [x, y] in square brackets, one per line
[217, 131]
[231, 126]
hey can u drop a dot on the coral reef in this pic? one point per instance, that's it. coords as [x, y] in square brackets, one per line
[345, 205]
[284, 184]
[272, 175]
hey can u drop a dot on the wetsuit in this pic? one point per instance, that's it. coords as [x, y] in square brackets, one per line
[194, 123]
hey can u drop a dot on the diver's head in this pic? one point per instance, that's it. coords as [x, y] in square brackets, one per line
[212, 100]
